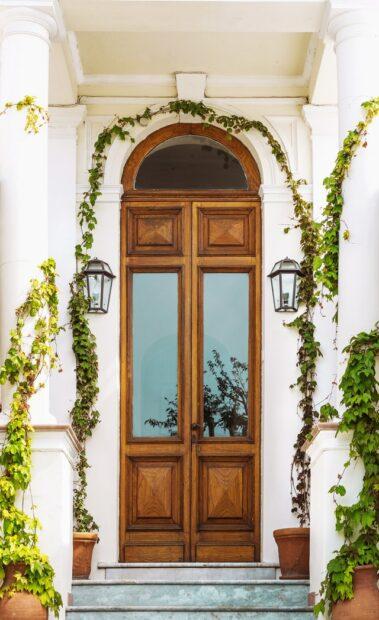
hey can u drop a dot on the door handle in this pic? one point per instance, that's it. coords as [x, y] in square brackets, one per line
[195, 426]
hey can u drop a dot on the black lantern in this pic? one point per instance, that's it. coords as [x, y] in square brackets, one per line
[99, 278]
[285, 282]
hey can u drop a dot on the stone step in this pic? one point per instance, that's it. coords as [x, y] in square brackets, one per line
[194, 571]
[186, 613]
[239, 594]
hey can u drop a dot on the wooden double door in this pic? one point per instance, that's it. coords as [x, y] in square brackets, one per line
[190, 380]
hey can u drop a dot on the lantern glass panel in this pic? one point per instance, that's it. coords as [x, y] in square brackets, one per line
[275, 283]
[296, 289]
[107, 286]
[94, 289]
[288, 289]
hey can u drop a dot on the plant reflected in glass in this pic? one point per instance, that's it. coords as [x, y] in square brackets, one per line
[225, 404]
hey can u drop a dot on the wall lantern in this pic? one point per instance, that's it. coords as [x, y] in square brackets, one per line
[99, 278]
[285, 282]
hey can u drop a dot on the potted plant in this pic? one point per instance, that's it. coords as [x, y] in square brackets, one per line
[350, 588]
[293, 542]
[27, 590]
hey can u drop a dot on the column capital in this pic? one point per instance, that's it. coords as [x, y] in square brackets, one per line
[322, 120]
[348, 22]
[64, 121]
[282, 194]
[24, 20]
[326, 438]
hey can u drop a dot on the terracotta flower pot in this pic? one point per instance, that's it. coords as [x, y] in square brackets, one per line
[365, 604]
[22, 605]
[84, 543]
[293, 547]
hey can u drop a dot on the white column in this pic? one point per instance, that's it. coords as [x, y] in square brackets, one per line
[63, 124]
[323, 125]
[23, 181]
[356, 35]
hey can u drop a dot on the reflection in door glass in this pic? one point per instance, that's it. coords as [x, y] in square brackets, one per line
[225, 354]
[155, 354]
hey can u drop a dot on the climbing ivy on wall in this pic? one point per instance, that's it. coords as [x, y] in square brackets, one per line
[31, 353]
[359, 522]
[326, 264]
[84, 414]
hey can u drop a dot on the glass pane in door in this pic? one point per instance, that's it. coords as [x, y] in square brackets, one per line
[155, 354]
[225, 354]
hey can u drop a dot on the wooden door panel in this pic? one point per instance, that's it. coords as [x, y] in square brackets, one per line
[155, 492]
[225, 493]
[226, 231]
[155, 231]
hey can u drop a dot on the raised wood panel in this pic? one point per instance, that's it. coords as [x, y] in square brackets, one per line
[225, 490]
[156, 485]
[226, 232]
[225, 553]
[154, 231]
[153, 552]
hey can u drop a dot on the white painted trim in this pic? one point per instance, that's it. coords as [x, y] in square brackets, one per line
[309, 58]
[168, 80]
[222, 101]
[66, 117]
[109, 193]
[235, 81]
[326, 440]
[191, 85]
[75, 57]
[22, 20]
[321, 119]
[52, 439]
[281, 193]
[128, 79]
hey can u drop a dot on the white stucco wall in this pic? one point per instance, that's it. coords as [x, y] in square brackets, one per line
[279, 403]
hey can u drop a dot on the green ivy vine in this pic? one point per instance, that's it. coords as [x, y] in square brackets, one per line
[359, 522]
[36, 115]
[25, 361]
[326, 263]
[84, 414]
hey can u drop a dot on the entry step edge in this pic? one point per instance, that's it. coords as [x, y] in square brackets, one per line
[148, 582]
[107, 608]
[187, 565]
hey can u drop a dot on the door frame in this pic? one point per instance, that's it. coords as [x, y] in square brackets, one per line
[222, 196]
